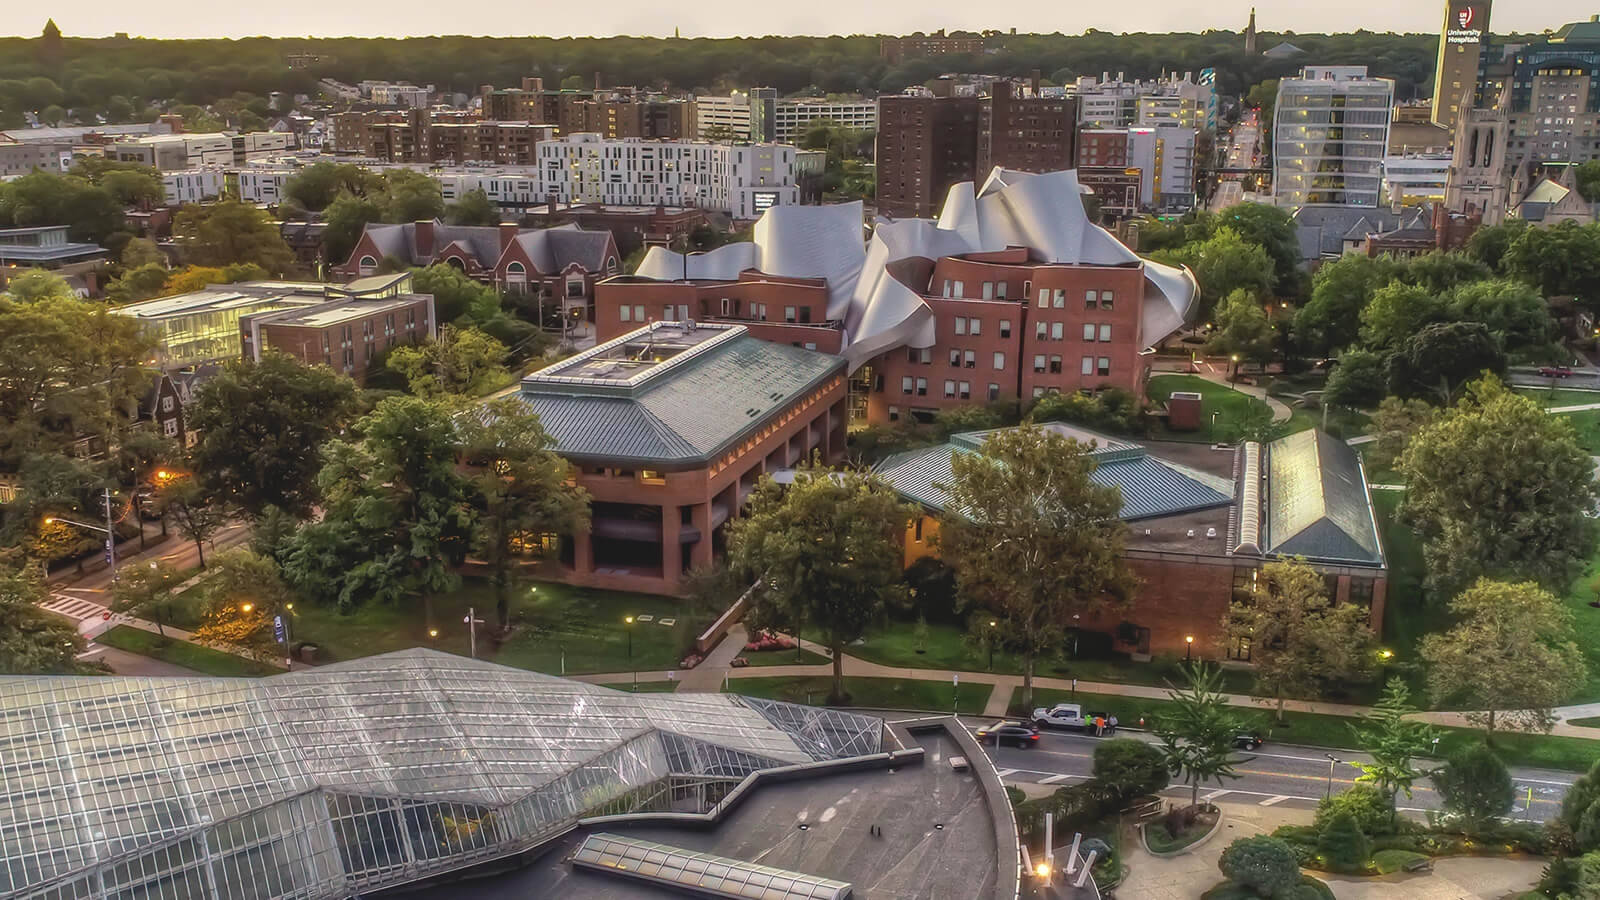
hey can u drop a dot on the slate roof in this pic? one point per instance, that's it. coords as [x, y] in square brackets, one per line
[551, 249]
[689, 411]
[1322, 230]
[1151, 487]
[1317, 503]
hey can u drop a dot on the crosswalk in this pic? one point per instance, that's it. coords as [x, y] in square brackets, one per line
[75, 608]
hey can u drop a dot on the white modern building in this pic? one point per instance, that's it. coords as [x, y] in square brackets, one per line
[742, 180]
[192, 186]
[740, 116]
[180, 152]
[793, 116]
[1330, 136]
[1165, 157]
[261, 185]
[1414, 177]
[1119, 103]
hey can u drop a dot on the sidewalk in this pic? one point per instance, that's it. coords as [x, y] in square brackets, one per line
[1280, 411]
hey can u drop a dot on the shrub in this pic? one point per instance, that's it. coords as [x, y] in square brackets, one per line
[1305, 834]
[1262, 864]
[1073, 806]
[1015, 795]
[1388, 861]
[1344, 848]
[1587, 834]
[1560, 878]
[1130, 767]
[1373, 812]
[1475, 785]
[1179, 818]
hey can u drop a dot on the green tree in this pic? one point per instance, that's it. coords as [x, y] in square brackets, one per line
[1343, 845]
[1394, 424]
[1359, 381]
[1264, 865]
[231, 232]
[456, 294]
[1033, 538]
[520, 490]
[1512, 310]
[262, 425]
[242, 595]
[319, 184]
[462, 362]
[32, 641]
[1372, 810]
[826, 552]
[1393, 741]
[43, 198]
[1510, 657]
[197, 516]
[1398, 311]
[1300, 640]
[1273, 230]
[142, 252]
[1439, 272]
[1341, 290]
[37, 284]
[1224, 263]
[1563, 260]
[1587, 176]
[131, 187]
[146, 592]
[473, 208]
[1489, 244]
[397, 514]
[1475, 785]
[1444, 356]
[1496, 487]
[141, 283]
[1132, 768]
[1197, 733]
[411, 196]
[346, 217]
[1243, 329]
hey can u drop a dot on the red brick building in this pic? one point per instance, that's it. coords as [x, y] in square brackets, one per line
[353, 325]
[665, 467]
[632, 227]
[895, 50]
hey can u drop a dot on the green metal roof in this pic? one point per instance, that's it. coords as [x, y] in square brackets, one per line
[1577, 33]
[688, 413]
[1151, 487]
[1317, 504]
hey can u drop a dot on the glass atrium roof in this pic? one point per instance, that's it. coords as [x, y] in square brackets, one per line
[351, 777]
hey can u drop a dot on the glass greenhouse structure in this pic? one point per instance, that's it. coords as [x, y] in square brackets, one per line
[353, 777]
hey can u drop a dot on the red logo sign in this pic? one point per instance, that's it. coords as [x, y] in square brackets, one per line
[1465, 17]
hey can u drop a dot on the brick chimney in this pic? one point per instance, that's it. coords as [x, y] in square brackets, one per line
[423, 238]
[1035, 80]
[508, 233]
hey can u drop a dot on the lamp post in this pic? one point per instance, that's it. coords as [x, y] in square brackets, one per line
[627, 623]
[1332, 761]
[1234, 376]
[992, 625]
[111, 540]
[1188, 648]
[472, 622]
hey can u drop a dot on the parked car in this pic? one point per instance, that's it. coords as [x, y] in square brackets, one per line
[1062, 715]
[1008, 732]
[1248, 740]
[1555, 371]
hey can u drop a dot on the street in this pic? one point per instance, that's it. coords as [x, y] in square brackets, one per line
[1275, 774]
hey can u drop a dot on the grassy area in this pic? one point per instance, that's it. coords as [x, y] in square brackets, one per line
[1588, 722]
[804, 657]
[1587, 425]
[1539, 750]
[1586, 624]
[871, 693]
[1548, 397]
[1221, 408]
[555, 628]
[181, 653]
[1406, 614]
[1388, 861]
[1375, 474]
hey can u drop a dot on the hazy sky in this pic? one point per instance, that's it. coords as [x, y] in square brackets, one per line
[722, 18]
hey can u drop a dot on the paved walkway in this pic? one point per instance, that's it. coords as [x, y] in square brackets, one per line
[1280, 411]
[1581, 407]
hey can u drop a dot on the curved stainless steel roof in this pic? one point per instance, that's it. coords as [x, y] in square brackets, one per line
[880, 312]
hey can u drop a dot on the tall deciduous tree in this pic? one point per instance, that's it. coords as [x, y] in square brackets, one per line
[1224, 263]
[1398, 311]
[1033, 538]
[241, 597]
[32, 641]
[1563, 260]
[1300, 640]
[1394, 742]
[1359, 381]
[346, 217]
[827, 552]
[146, 592]
[1198, 731]
[398, 517]
[473, 208]
[37, 284]
[1341, 289]
[1243, 328]
[463, 361]
[231, 232]
[1442, 357]
[1490, 243]
[197, 515]
[1512, 310]
[1510, 657]
[520, 490]
[262, 425]
[1497, 487]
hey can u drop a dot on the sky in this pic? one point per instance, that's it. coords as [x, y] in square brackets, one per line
[725, 18]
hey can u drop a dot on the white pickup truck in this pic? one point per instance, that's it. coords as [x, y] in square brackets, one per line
[1062, 715]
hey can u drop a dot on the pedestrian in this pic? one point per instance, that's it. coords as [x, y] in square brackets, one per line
[1099, 726]
[1112, 723]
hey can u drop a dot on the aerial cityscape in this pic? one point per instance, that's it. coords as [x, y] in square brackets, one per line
[938, 462]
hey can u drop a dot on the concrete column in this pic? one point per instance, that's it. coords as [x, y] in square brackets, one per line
[671, 549]
[700, 554]
[582, 554]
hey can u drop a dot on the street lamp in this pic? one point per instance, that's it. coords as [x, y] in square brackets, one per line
[433, 633]
[1188, 648]
[627, 623]
[111, 536]
[1235, 375]
[992, 624]
[1332, 761]
[246, 607]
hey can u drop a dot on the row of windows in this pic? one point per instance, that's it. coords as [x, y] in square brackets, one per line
[1090, 365]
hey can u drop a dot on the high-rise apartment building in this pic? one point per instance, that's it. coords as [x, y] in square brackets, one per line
[1330, 134]
[794, 116]
[740, 116]
[898, 49]
[1466, 27]
[1118, 103]
[613, 113]
[742, 180]
[1158, 162]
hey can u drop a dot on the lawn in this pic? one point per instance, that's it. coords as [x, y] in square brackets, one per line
[555, 628]
[1587, 425]
[1589, 722]
[803, 657]
[1221, 408]
[1548, 397]
[869, 693]
[1406, 614]
[1376, 475]
[1538, 750]
[181, 653]
[1586, 623]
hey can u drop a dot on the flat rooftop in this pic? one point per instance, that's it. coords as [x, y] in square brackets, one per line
[638, 356]
[938, 838]
[221, 297]
[332, 314]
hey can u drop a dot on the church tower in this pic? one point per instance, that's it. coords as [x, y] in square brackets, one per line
[1250, 34]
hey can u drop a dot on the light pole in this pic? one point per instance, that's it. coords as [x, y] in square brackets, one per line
[472, 622]
[1188, 648]
[1332, 761]
[627, 623]
[111, 541]
[992, 624]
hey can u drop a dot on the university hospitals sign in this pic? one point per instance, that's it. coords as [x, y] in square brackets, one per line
[1466, 25]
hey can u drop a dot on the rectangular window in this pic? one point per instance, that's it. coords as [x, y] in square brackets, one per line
[1105, 333]
[1105, 299]
[1089, 299]
[1105, 365]
[955, 359]
[1057, 331]
[788, 314]
[999, 361]
[683, 312]
[975, 326]
[1088, 331]
[1000, 290]
[971, 359]
[894, 413]
[1055, 365]
[905, 385]
[994, 392]
[961, 325]
[638, 313]
[668, 314]
[922, 387]
[988, 290]
[949, 389]
[918, 530]
[1027, 289]
[1044, 299]
[927, 356]
[1040, 330]
[1088, 365]
[1038, 362]
[1038, 392]
[959, 289]
[652, 476]
[1005, 328]
[946, 292]
[911, 354]
[729, 306]
[1060, 298]
[965, 390]
[805, 315]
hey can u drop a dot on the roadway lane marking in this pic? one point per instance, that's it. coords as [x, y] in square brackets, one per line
[1005, 772]
[1276, 798]
[1056, 779]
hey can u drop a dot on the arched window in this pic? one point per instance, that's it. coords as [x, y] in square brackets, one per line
[366, 265]
[457, 262]
[611, 265]
[516, 268]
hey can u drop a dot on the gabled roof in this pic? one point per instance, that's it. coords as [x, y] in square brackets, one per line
[1151, 487]
[1317, 503]
[552, 250]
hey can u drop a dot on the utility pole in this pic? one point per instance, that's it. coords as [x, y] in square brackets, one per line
[473, 622]
[111, 538]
